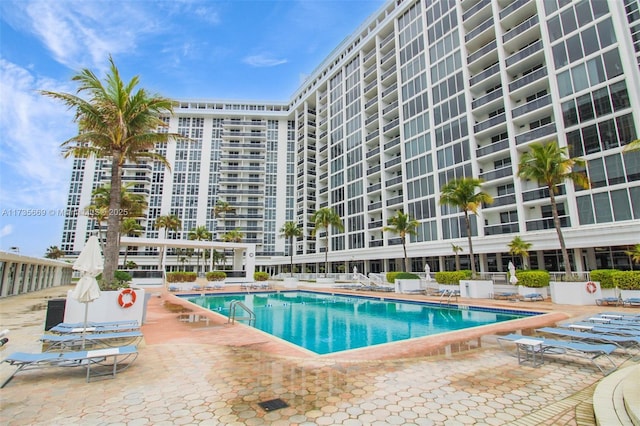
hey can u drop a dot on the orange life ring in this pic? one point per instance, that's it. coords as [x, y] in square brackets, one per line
[591, 287]
[132, 298]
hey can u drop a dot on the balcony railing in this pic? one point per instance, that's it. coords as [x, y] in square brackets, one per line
[523, 53]
[520, 28]
[485, 99]
[527, 79]
[497, 174]
[494, 69]
[487, 124]
[547, 223]
[503, 200]
[494, 147]
[503, 228]
[531, 106]
[536, 133]
[540, 193]
[512, 7]
[491, 46]
[474, 9]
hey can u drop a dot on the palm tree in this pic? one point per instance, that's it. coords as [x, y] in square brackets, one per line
[200, 233]
[633, 146]
[129, 227]
[520, 247]
[550, 165]
[634, 253]
[169, 223]
[233, 236]
[457, 249]
[324, 218]
[402, 225]
[222, 208]
[117, 123]
[53, 252]
[462, 193]
[290, 230]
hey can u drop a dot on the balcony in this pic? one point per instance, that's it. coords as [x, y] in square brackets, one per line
[492, 70]
[372, 170]
[537, 133]
[503, 228]
[372, 135]
[524, 53]
[494, 147]
[376, 224]
[391, 182]
[373, 188]
[512, 8]
[376, 243]
[392, 143]
[487, 124]
[496, 174]
[487, 48]
[488, 23]
[547, 223]
[393, 162]
[531, 106]
[541, 193]
[475, 9]
[395, 200]
[374, 206]
[527, 79]
[485, 99]
[371, 153]
[503, 200]
[520, 28]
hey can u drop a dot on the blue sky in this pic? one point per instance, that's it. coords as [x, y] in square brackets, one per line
[194, 49]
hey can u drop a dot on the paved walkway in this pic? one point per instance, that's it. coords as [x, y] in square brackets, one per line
[203, 373]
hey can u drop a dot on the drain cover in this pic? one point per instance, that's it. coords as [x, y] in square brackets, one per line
[273, 404]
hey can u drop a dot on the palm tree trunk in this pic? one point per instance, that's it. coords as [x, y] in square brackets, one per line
[556, 223]
[112, 250]
[291, 253]
[457, 261]
[326, 256]
[406, 260]
[473, 263]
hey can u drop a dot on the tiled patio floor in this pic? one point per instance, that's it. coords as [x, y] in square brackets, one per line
[215, 374]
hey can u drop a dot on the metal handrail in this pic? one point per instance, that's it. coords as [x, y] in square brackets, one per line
[232, 313]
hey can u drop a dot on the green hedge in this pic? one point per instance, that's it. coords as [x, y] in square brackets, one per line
[452, 277]
[397, 275]
[627, 280]
[181, 277]
[216, 275]
[533, 278]
[604, 277]
[121, 279]
[260, 276]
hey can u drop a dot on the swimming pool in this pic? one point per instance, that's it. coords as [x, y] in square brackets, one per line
[327, 323]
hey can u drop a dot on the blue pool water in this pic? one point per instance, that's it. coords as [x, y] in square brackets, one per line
[325, 323]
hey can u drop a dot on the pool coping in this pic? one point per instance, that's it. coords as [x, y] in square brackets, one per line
[438, 344]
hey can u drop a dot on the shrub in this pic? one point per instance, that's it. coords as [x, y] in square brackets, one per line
[604, 277]
[121, 279]
[533, 278]
[627, 280]
[407, 276]
[452, 277]
[391, 277]
[216, 275]
[181, 277]
[260, 276]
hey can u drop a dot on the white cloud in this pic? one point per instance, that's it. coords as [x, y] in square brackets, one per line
[263, 60]
[34, 174]
[6, 230]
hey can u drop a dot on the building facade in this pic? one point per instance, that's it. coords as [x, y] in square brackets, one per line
[421, 93]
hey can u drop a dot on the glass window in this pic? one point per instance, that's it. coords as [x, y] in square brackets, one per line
[569, 113]
[619, 96]
[574, 141]
[596, 173]
[606, 33]
[583, 13]
[568, 21]
[589, 41]
[550, 6]
[585, 210]
[601, 101]
[635, 201]
[632, 165]
[574, 48]
[615, 172]
[555, 31]
[564, 84]
[579, 76]
[608, 136]
[602, 207]
[626, 129]
[560, 55]
[612, 63]
[600, 8]
[585, 107]
[596, 70]
[590, 139]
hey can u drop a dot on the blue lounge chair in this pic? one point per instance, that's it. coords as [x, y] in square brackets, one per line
[606, 301]
[632, 301]
[95, 328]
[112, 357]
[623, 342]
[533, 297]
[603, 328]
[588, 351]
[507, 296]
[66, 341]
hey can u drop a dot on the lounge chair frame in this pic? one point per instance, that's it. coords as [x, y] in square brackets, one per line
[69, 341]
[111, 357]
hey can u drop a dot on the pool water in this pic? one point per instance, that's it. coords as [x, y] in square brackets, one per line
[325, 323]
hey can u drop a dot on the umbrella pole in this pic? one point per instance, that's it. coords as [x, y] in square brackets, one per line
[84, 328]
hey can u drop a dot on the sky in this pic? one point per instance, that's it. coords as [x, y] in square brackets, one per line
[181, 49]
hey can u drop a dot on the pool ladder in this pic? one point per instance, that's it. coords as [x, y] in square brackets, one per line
[449, 294]
[233, 307]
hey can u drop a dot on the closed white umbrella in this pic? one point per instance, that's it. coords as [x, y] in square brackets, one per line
[90, 263]
[427, 271]
[512, 272]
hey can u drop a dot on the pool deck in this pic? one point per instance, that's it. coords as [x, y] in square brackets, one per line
[194, 368]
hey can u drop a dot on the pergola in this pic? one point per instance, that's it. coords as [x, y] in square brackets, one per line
[243, 254]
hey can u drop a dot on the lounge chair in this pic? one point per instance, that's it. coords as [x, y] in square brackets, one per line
[506, 296]
[533, 297]
[67, 341]
[620, 316]
[623, 342]
[632, 301]
[96, 328]
[603, 328]
[588, 351]
[607, 301]
[112, 357]
[174, 288]
[121, 323]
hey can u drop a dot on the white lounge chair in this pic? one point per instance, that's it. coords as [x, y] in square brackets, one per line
[66, 341]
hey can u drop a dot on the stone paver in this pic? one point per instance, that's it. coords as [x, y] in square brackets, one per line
[189, 377]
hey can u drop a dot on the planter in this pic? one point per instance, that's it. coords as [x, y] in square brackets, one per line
[408, 286]
[543, 291]
[476, 289]
[106, 308]
[628, 294]
[575, 293]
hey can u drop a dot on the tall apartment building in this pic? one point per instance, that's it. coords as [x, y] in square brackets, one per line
[421, 93]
